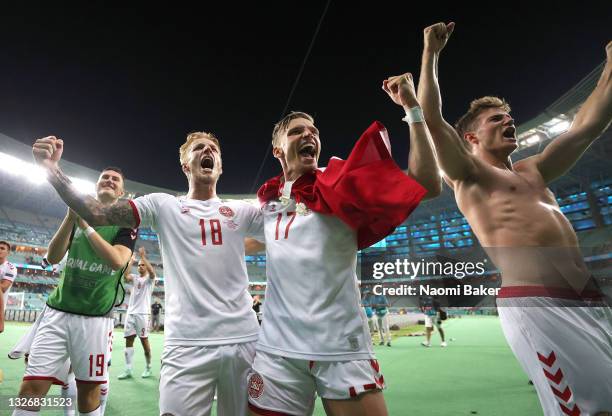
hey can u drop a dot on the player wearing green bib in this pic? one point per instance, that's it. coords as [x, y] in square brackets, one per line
[77, 323]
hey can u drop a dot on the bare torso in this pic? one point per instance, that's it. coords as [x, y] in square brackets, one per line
[517, 220]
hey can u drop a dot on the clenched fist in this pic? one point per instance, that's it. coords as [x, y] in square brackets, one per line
[436, 36]
[401, 90]
[48, 151]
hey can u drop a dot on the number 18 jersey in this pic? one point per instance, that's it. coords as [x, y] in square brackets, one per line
[205, 276]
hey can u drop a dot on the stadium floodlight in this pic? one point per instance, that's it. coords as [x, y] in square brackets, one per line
[84, 186]
[533, 139]
[559, 128]
[37, 175]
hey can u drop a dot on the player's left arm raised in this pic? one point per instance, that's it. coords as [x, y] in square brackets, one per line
[591, 121]
[47, 153]
[148, 265]
[422, 164]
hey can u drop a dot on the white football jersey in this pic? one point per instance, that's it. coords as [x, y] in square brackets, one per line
[8, 271]
[313, 302]
[140, 296]
[205, 275]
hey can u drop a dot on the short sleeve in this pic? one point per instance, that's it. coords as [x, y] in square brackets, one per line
[10, 274]
[126, 237]
[146, 208]
[256, 224]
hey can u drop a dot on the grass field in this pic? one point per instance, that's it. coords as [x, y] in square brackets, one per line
[476, 375]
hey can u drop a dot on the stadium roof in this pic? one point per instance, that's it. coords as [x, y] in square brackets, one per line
[533, 135]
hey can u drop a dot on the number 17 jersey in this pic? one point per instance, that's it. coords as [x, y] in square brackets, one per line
[313, 305]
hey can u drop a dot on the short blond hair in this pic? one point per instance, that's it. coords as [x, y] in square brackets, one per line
[282, 126]
[467, 121]
[191, 137]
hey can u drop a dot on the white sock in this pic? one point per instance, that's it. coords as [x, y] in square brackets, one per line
[129, 354]
[104, 391]
[92, 413]
[21, 412]
[69, 391]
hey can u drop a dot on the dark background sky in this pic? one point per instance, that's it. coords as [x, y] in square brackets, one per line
[123, 85]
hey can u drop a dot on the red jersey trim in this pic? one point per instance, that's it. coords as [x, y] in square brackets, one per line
[90, 381]
[53, 380]
[264, 412]
[135, 212]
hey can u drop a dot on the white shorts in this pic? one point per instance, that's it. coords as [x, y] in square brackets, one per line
[190, 374]
[430, 322]
[288, 386]
[563, 344]
[60, 336]
[136, 324]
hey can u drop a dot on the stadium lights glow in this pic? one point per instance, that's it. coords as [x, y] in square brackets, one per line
[37, 175]
[551, 129]
[560, 127]
[533, 139]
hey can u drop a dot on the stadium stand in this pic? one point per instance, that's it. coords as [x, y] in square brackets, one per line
[29, 219]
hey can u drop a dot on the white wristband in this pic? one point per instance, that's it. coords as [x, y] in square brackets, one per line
[89, 231]
[414, 115]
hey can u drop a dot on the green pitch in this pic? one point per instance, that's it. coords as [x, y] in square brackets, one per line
[475, 375]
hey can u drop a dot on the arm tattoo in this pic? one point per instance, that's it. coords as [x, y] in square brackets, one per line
[88, 208]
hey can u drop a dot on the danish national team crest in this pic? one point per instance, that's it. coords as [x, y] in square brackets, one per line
[226, 211]
[256, 386]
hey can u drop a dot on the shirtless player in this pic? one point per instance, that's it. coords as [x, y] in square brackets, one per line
[552, 314]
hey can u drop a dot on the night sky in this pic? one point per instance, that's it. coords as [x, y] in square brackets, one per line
[123, 86]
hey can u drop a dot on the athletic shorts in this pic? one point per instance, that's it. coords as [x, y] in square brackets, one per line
[430, 322]
[136, 324]
[190, 375]
[564, 344]
[61, 336]
[287, 386]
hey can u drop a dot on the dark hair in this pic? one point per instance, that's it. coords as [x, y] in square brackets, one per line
[6, 243]
[115, 169]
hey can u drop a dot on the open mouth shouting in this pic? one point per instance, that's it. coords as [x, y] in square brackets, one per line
[207, 163]
[308, 152]
[509, 133]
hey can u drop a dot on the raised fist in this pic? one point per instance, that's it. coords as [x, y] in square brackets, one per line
[401, 90]
[436, 36]
[48, 151]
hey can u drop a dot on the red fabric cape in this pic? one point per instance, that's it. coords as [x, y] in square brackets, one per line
[368, 191]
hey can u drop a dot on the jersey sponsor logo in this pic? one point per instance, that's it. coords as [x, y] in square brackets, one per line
[256, 386]
[226, 211]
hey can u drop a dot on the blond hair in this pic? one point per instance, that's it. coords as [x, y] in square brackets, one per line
[467, 121]
[191, 137]
[282, 126]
